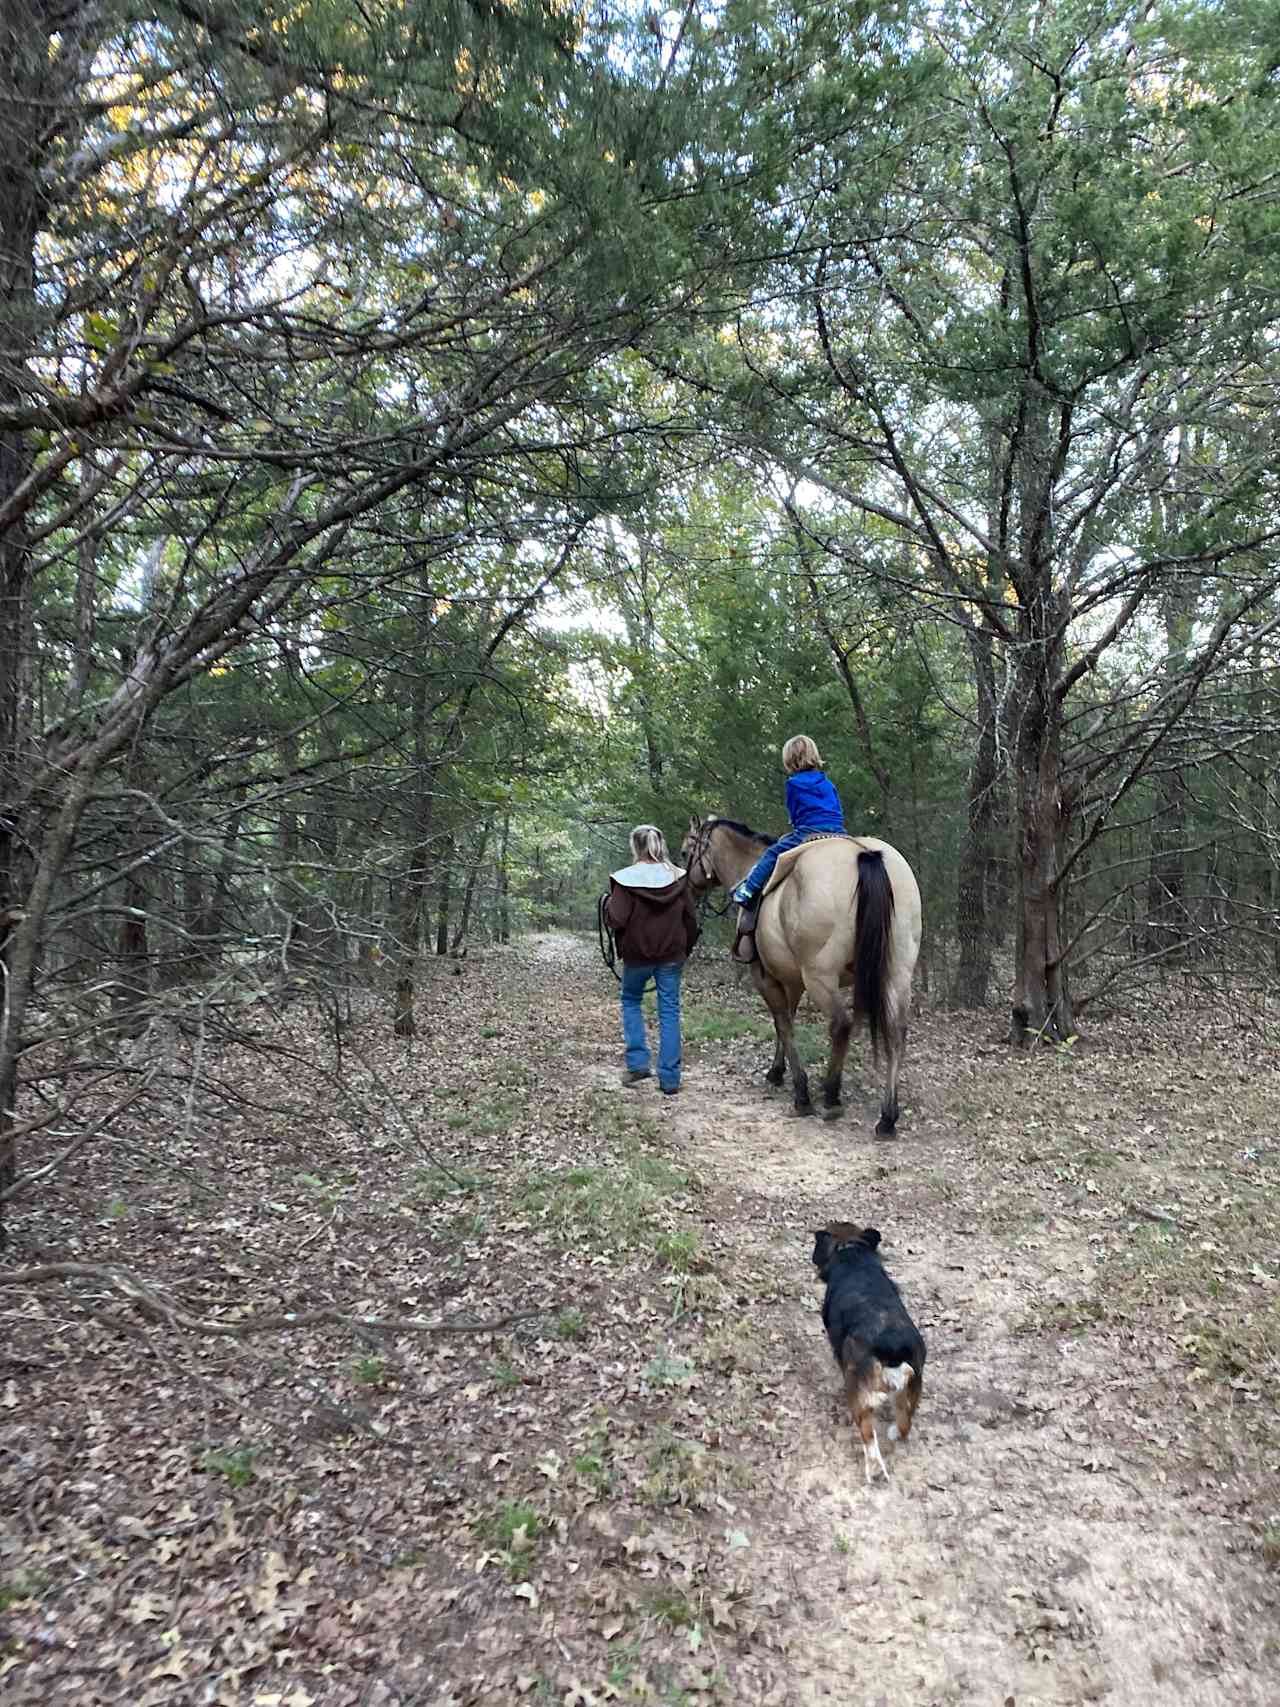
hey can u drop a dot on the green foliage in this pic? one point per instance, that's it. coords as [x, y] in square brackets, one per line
[25, 1585]
[513, 1530]
[236, 1463]
[680, 1251]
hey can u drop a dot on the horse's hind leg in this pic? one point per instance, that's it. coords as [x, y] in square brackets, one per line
[777, 1073]
[895, 1043]
[782, 1005]
[840, 1026]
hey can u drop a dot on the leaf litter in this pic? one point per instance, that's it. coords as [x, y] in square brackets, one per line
[637, 1487]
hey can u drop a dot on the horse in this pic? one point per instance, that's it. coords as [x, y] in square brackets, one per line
[847, 915]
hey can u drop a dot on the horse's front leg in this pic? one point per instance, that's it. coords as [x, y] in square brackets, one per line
[782, 1005]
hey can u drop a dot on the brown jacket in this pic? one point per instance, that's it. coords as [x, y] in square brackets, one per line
[652, 925]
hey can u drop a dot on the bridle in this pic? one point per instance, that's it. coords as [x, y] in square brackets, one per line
[702, 863]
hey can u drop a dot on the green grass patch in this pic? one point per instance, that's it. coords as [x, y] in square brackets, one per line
[668, 1370]
[434, 1184]
[236, 1463]
[502, 1525]
[512, 1531]
[813, 1042]
[23, 1585]
[488, 1117]
[674, 1609]
[1064, 1316]
[459, 1229]
[329, 1192]
[610, 1203]
[709, 1025]
[680, 1251]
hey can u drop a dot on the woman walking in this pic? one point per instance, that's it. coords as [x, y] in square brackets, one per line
[650, 912]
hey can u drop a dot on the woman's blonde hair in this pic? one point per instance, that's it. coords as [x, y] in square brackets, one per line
[801, 754]
[648, 842]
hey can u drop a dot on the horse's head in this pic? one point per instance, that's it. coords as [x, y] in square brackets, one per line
[696, 856]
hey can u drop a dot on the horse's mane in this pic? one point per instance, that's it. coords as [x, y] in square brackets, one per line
[745, 830]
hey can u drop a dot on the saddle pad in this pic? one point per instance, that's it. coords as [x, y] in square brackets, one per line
[786, 860]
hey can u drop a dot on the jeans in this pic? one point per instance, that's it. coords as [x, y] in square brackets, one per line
[762, 870]
[635, 981]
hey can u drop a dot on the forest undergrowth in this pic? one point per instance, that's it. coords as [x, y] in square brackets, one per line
[487, 1380]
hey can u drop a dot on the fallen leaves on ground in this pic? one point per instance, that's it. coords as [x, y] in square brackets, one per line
[598, 1501]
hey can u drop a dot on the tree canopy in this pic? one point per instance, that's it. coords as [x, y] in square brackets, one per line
[435, 437]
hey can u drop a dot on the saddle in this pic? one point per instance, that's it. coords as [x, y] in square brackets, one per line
[749, 916]
[782, 870]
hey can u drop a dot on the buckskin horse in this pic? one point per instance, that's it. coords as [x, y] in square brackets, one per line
[841, 912]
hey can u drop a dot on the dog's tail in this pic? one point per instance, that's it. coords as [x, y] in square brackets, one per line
[879, 1381]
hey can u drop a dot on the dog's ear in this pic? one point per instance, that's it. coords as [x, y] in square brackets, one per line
[870, 1238]
[822, 1251]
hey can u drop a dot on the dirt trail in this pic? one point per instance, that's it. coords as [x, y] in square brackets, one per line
[1032, 1546]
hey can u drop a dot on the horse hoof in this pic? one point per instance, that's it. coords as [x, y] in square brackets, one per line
[833, 1111]
[885, 1131]
[802, 1111]
[774, 1084]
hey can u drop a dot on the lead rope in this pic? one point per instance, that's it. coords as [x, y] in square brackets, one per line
[608, 944]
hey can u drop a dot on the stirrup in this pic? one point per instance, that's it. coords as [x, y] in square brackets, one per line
[747, 917]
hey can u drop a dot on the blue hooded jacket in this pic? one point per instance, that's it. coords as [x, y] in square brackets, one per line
[812, 801]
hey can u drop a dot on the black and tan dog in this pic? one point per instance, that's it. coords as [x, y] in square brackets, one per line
[875, 1342]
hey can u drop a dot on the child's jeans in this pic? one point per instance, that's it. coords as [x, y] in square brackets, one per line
[762, 870]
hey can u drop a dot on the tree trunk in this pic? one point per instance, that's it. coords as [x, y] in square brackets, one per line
[504, 898]
[133, 960]
[1041, 1003]
[195, 910]
[23, 72]
[975, 881]
[405, 1024]
[411, 912]
[212, 924]
[1168, 926]
[468, 894]
[444, 898]
[1167, 922]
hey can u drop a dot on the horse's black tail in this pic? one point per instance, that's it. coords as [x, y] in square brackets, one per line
[872, 937]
